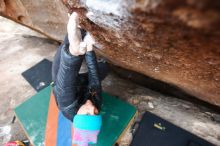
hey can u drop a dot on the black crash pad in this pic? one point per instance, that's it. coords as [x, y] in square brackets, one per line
[39, 76]
[155, 131]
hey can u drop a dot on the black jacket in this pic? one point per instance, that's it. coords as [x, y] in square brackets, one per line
[72, 89]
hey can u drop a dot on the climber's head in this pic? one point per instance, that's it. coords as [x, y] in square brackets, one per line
[88, 108]
[87, 124]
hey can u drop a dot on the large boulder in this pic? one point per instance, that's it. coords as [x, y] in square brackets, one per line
[48, 17]
[174, 41]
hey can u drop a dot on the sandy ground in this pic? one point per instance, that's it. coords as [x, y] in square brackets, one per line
[22, 48]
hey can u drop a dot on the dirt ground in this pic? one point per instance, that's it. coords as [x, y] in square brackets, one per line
[22, 48]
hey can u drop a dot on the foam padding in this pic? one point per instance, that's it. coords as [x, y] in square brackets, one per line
[39, 76]
[150, 133]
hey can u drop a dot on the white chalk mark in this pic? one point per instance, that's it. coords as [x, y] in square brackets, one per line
[5, 133]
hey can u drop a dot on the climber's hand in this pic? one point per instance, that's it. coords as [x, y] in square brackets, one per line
[89, 40]
[76, 47]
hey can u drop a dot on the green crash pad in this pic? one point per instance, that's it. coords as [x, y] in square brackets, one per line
[33, 115]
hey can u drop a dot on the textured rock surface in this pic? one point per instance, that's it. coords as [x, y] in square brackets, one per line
[46, 16]
[175, 41]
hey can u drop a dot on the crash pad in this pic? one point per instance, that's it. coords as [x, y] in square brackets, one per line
[39, 76]
[45, 125]
[155, 131]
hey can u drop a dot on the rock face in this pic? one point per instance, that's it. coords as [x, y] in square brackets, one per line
[48, 16]
[175, 41]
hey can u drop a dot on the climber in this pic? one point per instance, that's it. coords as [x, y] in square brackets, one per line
[78, 95]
